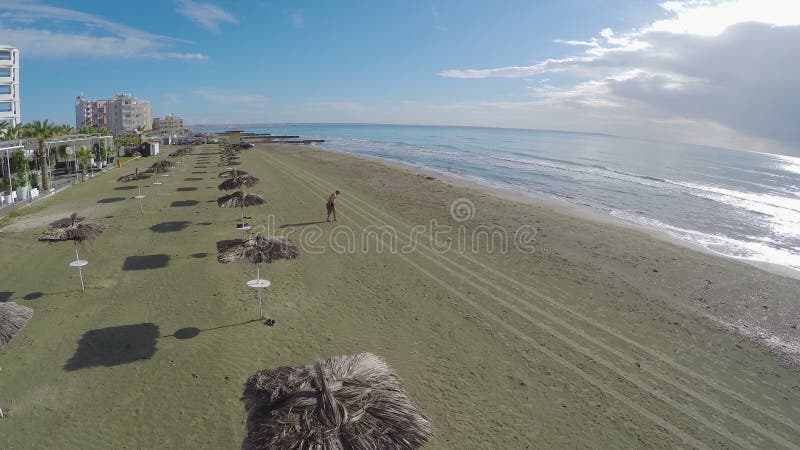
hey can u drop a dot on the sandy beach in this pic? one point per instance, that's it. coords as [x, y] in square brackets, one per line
[512, 324]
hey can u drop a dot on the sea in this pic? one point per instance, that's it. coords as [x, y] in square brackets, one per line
[739, 204]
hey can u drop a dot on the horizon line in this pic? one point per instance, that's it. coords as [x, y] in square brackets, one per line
[277, 124]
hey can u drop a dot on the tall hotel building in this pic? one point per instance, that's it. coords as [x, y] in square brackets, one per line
[9, 85]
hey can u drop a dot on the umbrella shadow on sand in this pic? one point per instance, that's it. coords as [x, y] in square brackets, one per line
[199, 255]
[183, 203]
[145, 262]
[190, 332]
[111, 199]
[38, 295]
[170, 227]
[114, 346]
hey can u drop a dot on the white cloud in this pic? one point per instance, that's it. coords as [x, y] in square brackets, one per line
[48, 31]
[731, 66]
[207, 15]
[712, 17]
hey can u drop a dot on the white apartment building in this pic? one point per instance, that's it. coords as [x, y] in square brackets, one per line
[122, 114]
[127, 113]
[9, 85]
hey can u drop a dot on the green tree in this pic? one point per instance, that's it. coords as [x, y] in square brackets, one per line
[95, 130]
[128, 140]
[4, 175]
[102, 152]
[20, 166]
[83, 156]
[42, 131]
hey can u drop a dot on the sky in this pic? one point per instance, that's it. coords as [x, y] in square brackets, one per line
[714, 72]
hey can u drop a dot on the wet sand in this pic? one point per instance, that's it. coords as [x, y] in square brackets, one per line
[594, 336]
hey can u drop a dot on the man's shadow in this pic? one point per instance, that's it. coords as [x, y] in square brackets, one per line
[287, 225]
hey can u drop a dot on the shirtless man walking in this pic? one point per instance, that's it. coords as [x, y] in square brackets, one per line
[331, 206]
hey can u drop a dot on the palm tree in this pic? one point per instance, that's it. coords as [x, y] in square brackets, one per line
[91, 129]
[42, 131]
[3, 127]
[14, 132]
[83, 156]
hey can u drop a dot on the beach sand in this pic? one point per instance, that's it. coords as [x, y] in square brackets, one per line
[594, 336]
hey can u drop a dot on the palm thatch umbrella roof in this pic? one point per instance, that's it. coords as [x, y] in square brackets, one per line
[161, 166]
[228, 163]
[237, 182]
[74, 230]
[346, 402]
[181, 152]
[134, 176]
[232, 173]
[13, 318]
[240, 199]
[256, 250]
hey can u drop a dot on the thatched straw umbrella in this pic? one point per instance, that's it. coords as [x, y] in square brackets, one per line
[241, 200]
[12, 318]
[232, 173]
[346, 402]
[161, 166]
[77, 231]
[237, 182]
[256, 250]
[136, 176]
[183, 151]
[228, 163]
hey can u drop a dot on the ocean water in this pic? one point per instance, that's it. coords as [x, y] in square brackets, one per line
[735, 203]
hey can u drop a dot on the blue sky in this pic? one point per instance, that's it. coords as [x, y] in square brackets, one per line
[705, 71]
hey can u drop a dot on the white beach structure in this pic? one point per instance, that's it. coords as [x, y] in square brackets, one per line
[9, 85]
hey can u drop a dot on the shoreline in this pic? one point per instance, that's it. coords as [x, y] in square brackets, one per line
[772, 339]
[575, 210]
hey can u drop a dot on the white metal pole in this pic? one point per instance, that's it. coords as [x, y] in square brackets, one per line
[80, 269]
[260, 305]
[8, 168]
